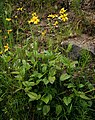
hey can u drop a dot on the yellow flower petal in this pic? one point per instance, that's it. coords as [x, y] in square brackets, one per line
[34, 20]
[34, 14]
[62, 11]
[16, 16]
[1, 52]
[8, 31]
[44, 33]
[56, 23]
[20, 9]
[8, 19]
[6, 47]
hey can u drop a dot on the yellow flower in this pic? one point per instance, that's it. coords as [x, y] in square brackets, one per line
[64, 17]
[62, 11]
[34, 14]
[44, 33]
[52, 16]
[9, 31]
[6, 47]
[34, 20]
[8, 19]
[5, 37]
[16, 16]
[56, 23]
[1, 52]
[20, 9]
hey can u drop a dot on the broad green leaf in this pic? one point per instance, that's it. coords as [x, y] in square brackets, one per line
[26, 65]
[50, 96]
[44, 68]
[82, 95]
[15, 72]
[36, 74]
[67, 100]
[90, 86]
[58, 109]
[46, 109]
[22, 71]
[19, 77]
[45, 80]
[52, 72]
[38, 97]
[39, 75]
[64, 77]
[38, 81]
[33, 96]
[81, 85]
[70, 85]
[45, 98]
[51, 79]
[73, 64]
[28, 84]
[27, 89]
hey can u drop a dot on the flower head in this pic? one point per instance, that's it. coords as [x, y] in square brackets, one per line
[52, 16]
[15, 16]
[20, 9]
[64, 17]
[8, 19]
[9, 31]
[34, 14]
[6, 47]
[62, 11]
[44, 33]
[34, 19]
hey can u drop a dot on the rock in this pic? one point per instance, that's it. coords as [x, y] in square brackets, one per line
[79, 44]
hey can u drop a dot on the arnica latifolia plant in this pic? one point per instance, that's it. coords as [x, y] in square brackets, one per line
[42, 84]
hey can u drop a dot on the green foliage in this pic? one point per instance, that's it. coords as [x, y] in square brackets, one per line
[44, 81]
[42, 84]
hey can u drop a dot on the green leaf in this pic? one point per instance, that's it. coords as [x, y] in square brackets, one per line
[50, 96]
[22, 71]
[38, 81]
[33, 96]
[46, 109]
[45, 80]
[69, 48]
[64, 77]
[70, 85]
[15, 72]
[26, 65]
[38, 97]
[1, 99]
[51, 79]
[82, 95]
[52, 72]
[28, 84]
[67, 100]
[45, 98]
[44, 68]
[72, 64]
[58, 109]
[81, 85]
